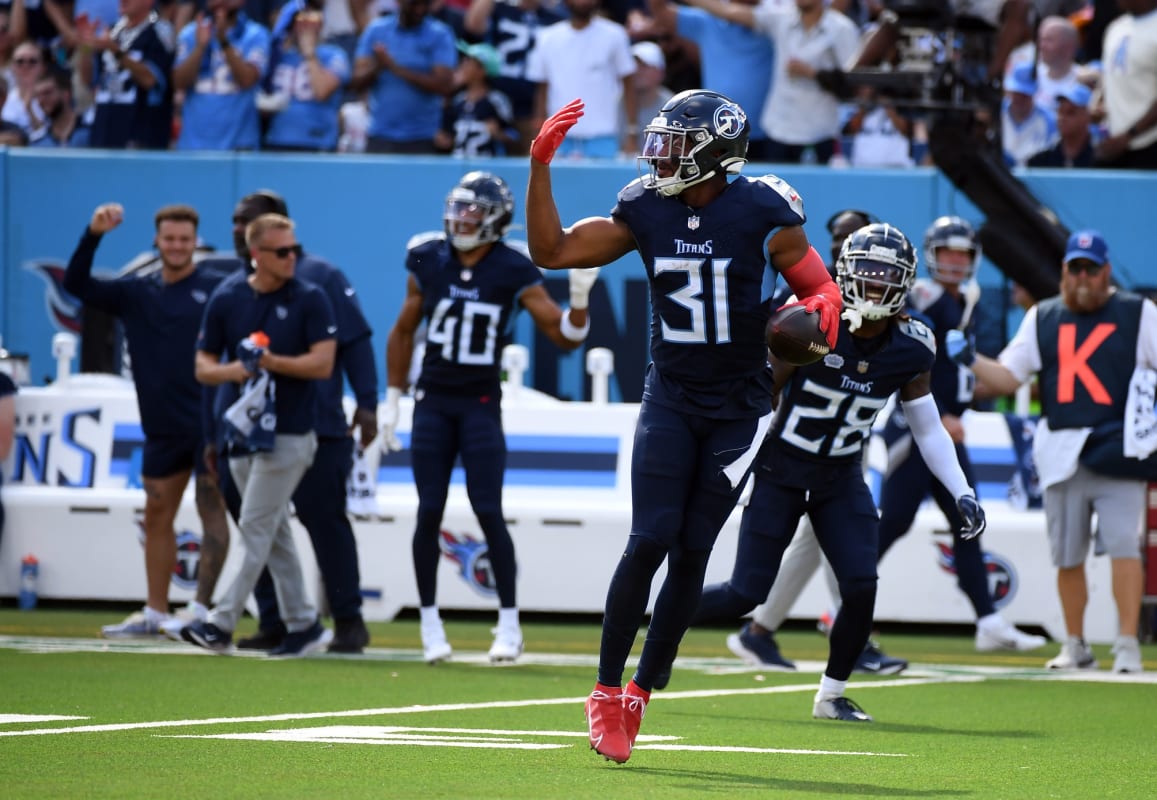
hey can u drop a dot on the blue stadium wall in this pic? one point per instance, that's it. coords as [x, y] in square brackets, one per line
[360, 211]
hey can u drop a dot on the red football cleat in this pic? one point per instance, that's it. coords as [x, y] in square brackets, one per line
[604, 712]
[634, 702]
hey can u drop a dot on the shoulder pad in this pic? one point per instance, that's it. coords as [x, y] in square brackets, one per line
[924, 293]
[632, 191]
[419, 239]
[784, 190]
[915, 329]
[519, 246]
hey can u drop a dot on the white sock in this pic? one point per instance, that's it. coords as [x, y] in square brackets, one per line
[429, 616]
[508, 617]
[152, 615]
[198, 610]
[830, 689]
[993, 620]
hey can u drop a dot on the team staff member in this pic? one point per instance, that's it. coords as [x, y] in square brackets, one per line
[297, 324]
[467, 285]
[1084, 345]
[161, 313]
[320, 498]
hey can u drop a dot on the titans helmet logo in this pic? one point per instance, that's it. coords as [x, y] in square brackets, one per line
[729, 121]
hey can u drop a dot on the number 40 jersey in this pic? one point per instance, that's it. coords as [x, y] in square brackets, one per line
[826, 410]
[469, 313]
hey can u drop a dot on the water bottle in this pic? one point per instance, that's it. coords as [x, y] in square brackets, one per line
[29, 573]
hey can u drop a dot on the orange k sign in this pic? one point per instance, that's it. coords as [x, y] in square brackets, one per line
[1074, 363]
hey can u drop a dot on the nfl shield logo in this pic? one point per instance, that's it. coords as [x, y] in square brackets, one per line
[693, 223]
[466, 275]
[862, 367]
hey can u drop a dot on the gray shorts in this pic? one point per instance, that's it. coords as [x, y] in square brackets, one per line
[1120, 506]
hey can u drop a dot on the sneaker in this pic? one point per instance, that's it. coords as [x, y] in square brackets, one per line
[298, 644]
[507, 645]
[874, 661]
[262, 640]
[1003, 635]
[840, 708]
[349, 636]
[1075, 654]
[209, 636]
[604, 713]
[758, 649]
[137, 625]
[435, 648]
[172, 626]
[634, 702]
[1127, 655]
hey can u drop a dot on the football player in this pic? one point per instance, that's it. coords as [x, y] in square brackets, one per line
[811, 463]
[711, 246]
[952, 254]
[467, 285]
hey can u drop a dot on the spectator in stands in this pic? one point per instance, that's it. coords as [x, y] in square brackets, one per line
[221, 58]
[161, 313]
[1084, 345]
[320, 497]
[512, 28]
[66, 16]
[407, 61]
[809, 38]
[7, 429]
[466, 279]
[651, 94]
[12, 31]
[1130, 52]
[64, 128]
[20, 107]
[1074, 147]
[11, 134]
[1025, 127]
[39, 27]
[128, 68]
[881, 136]
[1057, 43]
[344, 22]
[588, 56]
[478, 120]
[263, 12]
[306, 79]
[280, 373]
[735, 61]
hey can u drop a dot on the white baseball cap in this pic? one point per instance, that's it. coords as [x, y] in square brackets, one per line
[650, 54]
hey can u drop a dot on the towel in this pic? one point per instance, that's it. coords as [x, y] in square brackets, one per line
[1140, 417]
[361, 488]
[251, 422]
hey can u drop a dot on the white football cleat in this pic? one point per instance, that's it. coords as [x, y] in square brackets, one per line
[999, 634]
[435, 648]
[507, 645]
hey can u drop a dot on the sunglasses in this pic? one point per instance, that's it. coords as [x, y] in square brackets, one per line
[26, 62]
[283, 252]
[1079, 265]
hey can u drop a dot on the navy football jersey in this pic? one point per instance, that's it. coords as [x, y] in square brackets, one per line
[513, 31]
[826, 410]
[469, 313]
[710, 278]
[952, 384]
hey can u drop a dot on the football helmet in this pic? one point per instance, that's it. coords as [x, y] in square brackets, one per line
[696, 135]
[955, 233]
[875, 270]
[478, 211]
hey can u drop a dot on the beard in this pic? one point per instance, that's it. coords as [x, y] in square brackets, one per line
[1084, 298]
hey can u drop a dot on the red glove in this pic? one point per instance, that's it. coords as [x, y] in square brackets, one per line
[829, 315]
[553, 131]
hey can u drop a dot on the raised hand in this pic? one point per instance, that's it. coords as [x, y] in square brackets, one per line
[554, 130]
[581, 283]
[106, 217]
[973, 515]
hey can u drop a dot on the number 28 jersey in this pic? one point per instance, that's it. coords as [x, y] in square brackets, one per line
[827, 408]
[469, 313]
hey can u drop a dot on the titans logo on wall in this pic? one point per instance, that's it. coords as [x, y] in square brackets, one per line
[473, 559]
[188, 556]
[1002, 580]
[62, 308]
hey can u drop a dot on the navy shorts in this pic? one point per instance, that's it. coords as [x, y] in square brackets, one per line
[168, 455]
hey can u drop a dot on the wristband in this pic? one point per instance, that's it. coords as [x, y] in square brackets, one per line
[572, 332]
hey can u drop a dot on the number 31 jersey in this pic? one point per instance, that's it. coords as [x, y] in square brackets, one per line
[469, 313]
[827, 408]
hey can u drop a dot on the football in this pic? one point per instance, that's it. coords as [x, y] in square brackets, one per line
[794, 336]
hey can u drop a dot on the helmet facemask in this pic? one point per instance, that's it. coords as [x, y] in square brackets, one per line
[672, 157]
[471, 222]
[874, 280]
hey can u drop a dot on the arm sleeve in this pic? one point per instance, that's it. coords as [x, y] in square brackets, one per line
[809, 277]
[935, 444]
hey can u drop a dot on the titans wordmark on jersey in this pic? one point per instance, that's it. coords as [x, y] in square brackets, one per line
[469, 313]
[827, 408]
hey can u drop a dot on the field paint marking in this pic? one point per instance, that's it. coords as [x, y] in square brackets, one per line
[491, 738]
[420, 709]
[10, 719]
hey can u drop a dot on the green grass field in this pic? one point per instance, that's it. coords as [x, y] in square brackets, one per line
[81, 717]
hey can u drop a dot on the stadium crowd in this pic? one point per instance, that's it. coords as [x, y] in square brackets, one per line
[478, 77]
